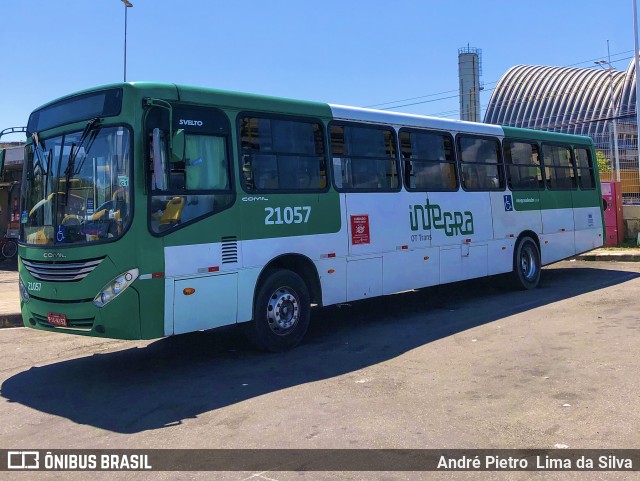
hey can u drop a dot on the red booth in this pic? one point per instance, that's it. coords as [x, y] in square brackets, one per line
[613, 220]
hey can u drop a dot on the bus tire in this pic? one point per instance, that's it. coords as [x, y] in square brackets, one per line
[526, 264]
[9, 249]
[281, 313]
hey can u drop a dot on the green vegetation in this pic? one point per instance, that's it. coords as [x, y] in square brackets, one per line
[604, 163]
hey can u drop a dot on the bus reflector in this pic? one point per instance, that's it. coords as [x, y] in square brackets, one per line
[157, 275]
[213, 269]
[187, 291]
[325, 256]
[331, 271]
[426, 258]
[467, 241]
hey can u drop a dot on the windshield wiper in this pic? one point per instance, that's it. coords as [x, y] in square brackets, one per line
[75, 149]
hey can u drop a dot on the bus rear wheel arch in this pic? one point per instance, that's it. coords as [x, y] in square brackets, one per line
[281, 313]
[527, 265]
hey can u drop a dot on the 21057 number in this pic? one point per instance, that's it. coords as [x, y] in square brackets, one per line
[288, 215]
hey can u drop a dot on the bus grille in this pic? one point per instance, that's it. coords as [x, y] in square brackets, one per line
[61, 271]
[229, 250]
[73, 324]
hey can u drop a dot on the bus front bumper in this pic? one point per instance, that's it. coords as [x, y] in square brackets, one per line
[119, 319]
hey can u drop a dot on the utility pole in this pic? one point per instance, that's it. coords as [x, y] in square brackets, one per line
[613, 111]
[127, 5]
[635, 54]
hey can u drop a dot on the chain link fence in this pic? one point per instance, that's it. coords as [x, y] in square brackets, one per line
[627, 159]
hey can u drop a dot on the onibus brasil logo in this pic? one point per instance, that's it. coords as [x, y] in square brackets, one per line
[428, 216]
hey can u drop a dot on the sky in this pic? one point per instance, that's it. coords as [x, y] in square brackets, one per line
[352, 52]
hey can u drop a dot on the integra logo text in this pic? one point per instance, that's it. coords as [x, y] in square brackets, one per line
[197, 123]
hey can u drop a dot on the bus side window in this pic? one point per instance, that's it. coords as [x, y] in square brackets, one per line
[584, 165]
[198, 186]
[364, 158]
[559, 168]
[282, 154]
[480, 163]
[429, 160]
[524, 171]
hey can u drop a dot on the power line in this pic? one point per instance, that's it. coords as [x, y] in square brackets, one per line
[485, 89]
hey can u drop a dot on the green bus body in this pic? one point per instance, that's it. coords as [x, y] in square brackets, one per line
[248, 223]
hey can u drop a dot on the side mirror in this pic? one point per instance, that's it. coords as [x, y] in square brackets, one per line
[178, 146]
[158, 164]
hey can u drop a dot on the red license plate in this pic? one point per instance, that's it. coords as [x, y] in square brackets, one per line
[57, 319]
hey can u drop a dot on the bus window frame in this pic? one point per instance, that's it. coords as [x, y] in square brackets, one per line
[454, 162]
[592, 169]
[502, 179]
[541, 166]
[286, 117]
[394, 134]
[554, 167]
[150, 193]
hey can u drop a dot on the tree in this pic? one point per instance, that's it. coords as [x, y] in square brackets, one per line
[604, 164]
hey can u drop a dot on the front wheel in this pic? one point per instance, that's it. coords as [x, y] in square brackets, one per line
[9, 248]
[281, 313]
[526, 264]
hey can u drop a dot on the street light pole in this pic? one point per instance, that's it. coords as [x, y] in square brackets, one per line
[637, 66]
[612, 110]
[127, 5]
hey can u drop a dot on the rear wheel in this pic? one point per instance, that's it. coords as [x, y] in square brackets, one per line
[281, 312]
[526, 264]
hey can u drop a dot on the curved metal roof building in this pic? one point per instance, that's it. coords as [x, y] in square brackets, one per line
[576, 101]
[571, 100]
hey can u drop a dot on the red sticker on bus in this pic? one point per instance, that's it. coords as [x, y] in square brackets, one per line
[360, 229]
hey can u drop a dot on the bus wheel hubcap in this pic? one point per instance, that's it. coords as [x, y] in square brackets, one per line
[283, 311]
[528, 263]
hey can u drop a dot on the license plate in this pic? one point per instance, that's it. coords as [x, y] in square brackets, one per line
[57, 319]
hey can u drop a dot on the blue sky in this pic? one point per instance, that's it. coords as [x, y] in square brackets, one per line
[352, 52]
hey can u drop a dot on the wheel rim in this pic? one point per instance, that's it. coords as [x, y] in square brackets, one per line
[283, 311]
[528, 263]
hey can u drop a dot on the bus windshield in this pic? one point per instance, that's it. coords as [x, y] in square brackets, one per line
[76, 187]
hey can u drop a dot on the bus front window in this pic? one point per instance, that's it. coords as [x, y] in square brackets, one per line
[76, 187]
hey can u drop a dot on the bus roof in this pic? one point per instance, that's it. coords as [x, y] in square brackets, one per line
[245, 101]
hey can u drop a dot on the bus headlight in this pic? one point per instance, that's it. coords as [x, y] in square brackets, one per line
[115, 287]
[24, 294]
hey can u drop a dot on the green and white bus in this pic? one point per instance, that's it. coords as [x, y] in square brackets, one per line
[150, 210]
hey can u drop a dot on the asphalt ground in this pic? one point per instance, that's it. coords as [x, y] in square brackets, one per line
[467, 365]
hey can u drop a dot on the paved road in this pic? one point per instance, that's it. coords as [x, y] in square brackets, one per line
[465, 365]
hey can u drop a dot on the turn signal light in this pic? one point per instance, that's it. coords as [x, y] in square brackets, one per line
[187, 291]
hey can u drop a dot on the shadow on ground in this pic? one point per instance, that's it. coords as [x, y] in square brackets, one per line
[9, 264]
[173, 379]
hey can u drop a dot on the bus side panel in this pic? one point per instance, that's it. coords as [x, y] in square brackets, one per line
[410, 269]
[333, 284]
[213, 301]
[587, 217]
[557, 225]
[513, 213]
[462, 229]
